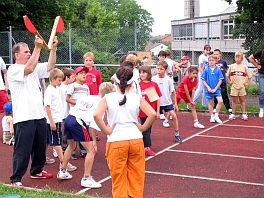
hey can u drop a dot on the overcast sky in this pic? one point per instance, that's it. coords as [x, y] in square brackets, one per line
[164, 11]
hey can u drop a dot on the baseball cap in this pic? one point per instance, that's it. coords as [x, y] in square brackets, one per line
[79, 69]
[185, 57]
[8, 107]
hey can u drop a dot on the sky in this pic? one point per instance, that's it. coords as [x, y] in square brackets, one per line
[164, 11]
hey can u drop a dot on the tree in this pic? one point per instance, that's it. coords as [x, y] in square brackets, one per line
[249, 23]
[41, 12]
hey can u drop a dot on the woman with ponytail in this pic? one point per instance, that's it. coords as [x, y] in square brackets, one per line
[125, 153]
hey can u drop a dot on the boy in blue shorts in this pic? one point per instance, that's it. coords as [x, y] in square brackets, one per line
[212, 78]
[166, 87]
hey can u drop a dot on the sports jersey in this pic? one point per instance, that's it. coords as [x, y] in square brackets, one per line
[238, 74]
[93, 80]
[212, 77]
[190, 85]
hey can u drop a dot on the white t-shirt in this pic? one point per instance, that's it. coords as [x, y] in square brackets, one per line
[2, 67]
[124, 116]
[166, 88]
[52, 98]
[77, 91]
[26, 92]
[170, 65]
[63, 92]
[85, 108]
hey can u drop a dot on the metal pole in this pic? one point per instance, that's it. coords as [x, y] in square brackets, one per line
[70, 45]
[10, 45]
[208, 31]
[135, 36]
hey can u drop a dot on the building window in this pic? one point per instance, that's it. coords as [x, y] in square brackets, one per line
[182, 32]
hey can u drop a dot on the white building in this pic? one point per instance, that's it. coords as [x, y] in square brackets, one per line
[189, 35]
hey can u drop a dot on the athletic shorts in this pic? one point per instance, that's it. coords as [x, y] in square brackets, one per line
[77, 129]
[238, 92]
[55, 137]
[3, 99]
[210, 96]
[166, 108]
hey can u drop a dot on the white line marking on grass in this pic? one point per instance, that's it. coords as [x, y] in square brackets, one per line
[205, 178]
[232, 138]
[236, 125]
[223, 155]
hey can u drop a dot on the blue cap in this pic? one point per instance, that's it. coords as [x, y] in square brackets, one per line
[8, 107]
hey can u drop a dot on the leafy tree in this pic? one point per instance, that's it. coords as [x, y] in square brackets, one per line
[249, 23]
[41, 12]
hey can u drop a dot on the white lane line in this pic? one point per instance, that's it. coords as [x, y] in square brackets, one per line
[232, 138]
[160, 152]
[205, 178]
[235, 125]
[223, 155]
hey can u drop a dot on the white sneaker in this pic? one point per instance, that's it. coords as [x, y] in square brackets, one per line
[55, 154]
[261, 112]
[89, 182]
[162, 117]
[166, 124]
[214, 111]
[212, 119]
[217, 119]
[70, 167]
[63, 174]
[244, 117]
[230, 110]
[232, 116]
[198, 125]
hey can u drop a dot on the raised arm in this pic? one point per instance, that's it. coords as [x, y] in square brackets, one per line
[53, 55]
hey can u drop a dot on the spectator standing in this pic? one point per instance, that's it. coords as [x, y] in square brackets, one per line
[3, 86]
[259, 55]
[28, 112]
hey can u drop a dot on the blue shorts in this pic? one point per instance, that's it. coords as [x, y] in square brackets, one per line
[77, 130]
[210, 96]
[166, 108]
[54, 137]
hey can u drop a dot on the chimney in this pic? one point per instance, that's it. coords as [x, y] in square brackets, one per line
[191, 9]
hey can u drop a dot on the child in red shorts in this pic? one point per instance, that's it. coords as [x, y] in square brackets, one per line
[185, 91]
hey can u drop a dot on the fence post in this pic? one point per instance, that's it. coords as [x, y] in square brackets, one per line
[135, 33]
[70, 44]
[10, 45]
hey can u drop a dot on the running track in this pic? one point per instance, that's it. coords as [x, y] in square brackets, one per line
[222, 160]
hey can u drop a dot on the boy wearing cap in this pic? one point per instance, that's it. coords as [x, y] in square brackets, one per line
[77, 90]
[7, 124]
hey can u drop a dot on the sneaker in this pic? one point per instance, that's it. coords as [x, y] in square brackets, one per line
[97, 137]
[230, 110]
[83, 155]
[261, 113]
[149, 152]
[188, 107]
[198, 125]
[63, 174]
[10, 143]
[214, 111]
[73, 156]
[178, 139]
[217, 119]
[166, 124]
[212, 119]
[42, 175]
[70, 167]
[170, 117]
[89, 182]
[162, 117]
[17, 184]
[232, 116]
[244, 117]
[49, 160]
[55, 154]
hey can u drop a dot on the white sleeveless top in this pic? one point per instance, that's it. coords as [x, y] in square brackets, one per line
[124, 116]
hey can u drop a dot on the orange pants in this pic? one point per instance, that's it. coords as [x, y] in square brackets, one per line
[126, 162]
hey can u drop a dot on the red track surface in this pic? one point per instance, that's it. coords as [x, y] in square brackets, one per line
[219, 161]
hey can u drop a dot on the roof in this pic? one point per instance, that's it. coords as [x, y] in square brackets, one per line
[161, 36]
[229, 10]
[149, 47]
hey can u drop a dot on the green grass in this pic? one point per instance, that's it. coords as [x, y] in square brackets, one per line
[44, 193]
[251, 109]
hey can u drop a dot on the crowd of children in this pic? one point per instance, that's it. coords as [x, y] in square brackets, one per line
[75, 102]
